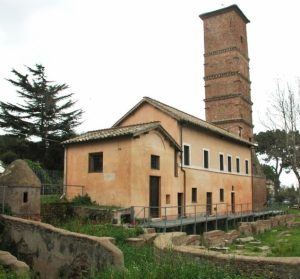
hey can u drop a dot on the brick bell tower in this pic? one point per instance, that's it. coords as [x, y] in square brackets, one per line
[226, 69]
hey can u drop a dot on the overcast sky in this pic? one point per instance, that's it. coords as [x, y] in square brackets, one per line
[112, 53]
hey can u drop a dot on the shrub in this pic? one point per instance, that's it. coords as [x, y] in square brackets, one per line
[82, 200]
[7, 209]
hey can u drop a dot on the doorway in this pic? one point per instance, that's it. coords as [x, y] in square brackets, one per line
[208, 203]
[154, 196]
[180, 203]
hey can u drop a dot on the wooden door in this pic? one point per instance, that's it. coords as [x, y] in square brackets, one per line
[154, 196]
[208, 203]
[180, 203]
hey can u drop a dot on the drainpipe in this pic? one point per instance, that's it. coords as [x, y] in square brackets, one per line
[252, 175]
[65, 173]
[184, 173]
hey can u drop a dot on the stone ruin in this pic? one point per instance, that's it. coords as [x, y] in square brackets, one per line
[20, 189]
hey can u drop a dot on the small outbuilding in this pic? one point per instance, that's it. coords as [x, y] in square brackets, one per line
[20, 190]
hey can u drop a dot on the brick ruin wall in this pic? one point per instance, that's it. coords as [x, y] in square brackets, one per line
[267, 267]
[259, 193]
[57, 253]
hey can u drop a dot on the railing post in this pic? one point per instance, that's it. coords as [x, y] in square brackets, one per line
[226, 218]
[206, 222]
[216, 224]
[195, 219]
[149, 216]
[241, 212]
[132, 221]
[181, 219]
[165, 228]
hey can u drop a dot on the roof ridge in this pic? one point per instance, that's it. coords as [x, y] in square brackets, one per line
[175, 108]
[119, 127]
[195, 117]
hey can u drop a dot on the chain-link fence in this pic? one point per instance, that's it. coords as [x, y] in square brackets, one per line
[49, 177]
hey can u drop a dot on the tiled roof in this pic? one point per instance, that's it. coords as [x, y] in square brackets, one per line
[185, 118]
[115, 132]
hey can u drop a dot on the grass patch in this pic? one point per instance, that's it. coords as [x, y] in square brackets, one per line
[141, 262]
[6, 273]
[293, 211]
[283, 242]
[46, 199]
[120, 233]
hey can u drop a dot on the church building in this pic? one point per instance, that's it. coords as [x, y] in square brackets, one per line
[170, 162]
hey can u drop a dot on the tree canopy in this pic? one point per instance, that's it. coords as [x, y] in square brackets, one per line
[272, 145]
[281, 143]
[44, 111]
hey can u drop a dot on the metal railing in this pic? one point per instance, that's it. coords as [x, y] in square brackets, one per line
[60, 189]
[171, 216]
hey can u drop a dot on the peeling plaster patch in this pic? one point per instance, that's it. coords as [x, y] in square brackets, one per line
[109, 176]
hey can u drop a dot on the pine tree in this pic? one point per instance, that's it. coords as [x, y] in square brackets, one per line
[44, 112]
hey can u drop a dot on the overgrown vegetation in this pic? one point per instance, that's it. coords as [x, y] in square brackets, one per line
[141, 263]
[45, 176]
[6, 273]
[283, 242]
[120, 233]
[5, 209]
[82, 200]
[47, 199]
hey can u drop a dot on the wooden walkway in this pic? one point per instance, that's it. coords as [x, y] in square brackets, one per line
[164, 224]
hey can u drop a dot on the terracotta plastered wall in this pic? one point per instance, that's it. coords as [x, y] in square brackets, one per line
[212, 179]
[146, 145]
[148, 113]
[110, 187]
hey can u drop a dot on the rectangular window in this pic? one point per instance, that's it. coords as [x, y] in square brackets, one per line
[96, 162]
[229, 163]
[237, 165]
[221, 156]
[194, 194]
[221, 195]
[247, 166]
[186, 155]
[206, 159]
[25, 197]
[154, 162]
